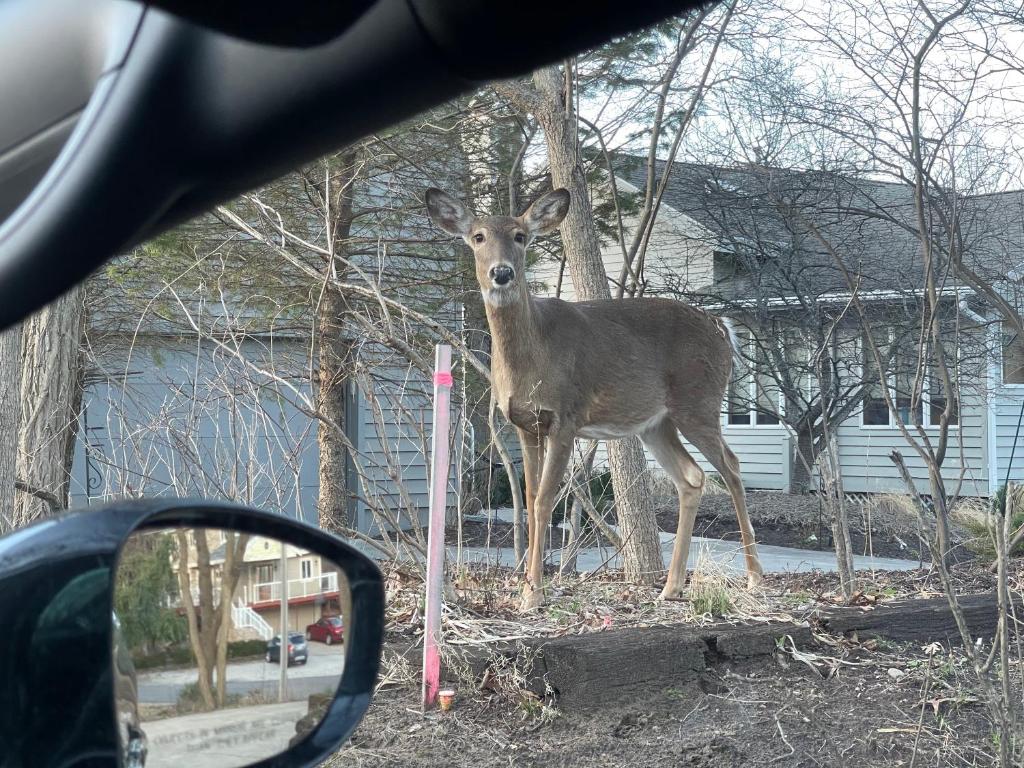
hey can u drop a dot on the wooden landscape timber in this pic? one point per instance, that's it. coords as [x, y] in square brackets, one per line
[591, 670]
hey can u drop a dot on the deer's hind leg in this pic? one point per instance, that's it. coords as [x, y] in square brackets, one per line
[688, 478]
[707, 438]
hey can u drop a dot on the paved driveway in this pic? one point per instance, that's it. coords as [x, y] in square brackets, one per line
[225, 738]
[727, 553]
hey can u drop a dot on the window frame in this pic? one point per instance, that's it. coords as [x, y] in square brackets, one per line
[746, 339]
[926, 395]
[1002, 361]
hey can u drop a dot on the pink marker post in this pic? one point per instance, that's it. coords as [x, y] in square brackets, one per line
[435, 536]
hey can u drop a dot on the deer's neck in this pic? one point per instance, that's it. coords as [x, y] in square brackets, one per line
[514, 339]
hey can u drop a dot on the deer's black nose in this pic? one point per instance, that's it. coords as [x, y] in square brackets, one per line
[502, 274]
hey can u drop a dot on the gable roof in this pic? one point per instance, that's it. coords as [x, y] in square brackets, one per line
[783, 225]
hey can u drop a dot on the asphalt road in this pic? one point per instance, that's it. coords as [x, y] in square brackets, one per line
[319, 674]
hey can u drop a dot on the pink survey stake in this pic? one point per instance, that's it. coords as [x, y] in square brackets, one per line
[435, 535]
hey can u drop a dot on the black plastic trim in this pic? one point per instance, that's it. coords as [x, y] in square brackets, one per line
[56, 685]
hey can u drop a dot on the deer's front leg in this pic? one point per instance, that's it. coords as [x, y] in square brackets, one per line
[559, 451]
[533, 461]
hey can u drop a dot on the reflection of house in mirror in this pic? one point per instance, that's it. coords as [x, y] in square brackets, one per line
[312, 585]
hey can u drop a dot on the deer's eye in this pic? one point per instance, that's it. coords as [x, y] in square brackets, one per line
[520, 237]
[478, 237]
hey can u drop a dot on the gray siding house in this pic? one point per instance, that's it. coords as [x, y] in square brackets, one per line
[180, 417]
[736, 240]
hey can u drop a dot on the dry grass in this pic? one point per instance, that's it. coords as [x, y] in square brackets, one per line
[486, 610]
[970, 510]
[894, 512]
[976, 518]
[713, 589]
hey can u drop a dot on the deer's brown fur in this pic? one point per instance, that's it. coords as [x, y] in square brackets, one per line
[603, 369]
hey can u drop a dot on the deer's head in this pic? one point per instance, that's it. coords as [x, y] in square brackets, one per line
[498, 242]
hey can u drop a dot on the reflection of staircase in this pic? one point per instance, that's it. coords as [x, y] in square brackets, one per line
[244, 617]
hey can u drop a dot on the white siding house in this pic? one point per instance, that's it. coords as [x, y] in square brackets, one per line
[681, 259]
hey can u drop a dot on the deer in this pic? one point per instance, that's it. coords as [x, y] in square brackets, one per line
[602, 370]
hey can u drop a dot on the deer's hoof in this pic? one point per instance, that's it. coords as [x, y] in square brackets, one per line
[532, 599]
[672, 592]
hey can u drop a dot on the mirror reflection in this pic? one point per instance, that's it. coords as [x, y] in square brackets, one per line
[228, 647]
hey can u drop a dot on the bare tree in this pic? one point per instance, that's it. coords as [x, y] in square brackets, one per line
[10, 379]
[925, 103]
[51, 387]
[214, 590]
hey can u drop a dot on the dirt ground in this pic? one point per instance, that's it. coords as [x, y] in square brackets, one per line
[873, 711]
[831, 701]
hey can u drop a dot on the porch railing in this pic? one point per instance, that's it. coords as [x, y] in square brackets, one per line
[270, 591]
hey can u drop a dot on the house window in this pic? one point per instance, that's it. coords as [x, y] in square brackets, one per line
[766, 390]
[739, 393]
[306, 568]
[901, 356]
[798, 360]
[753, 396]
[726, 267]
[1013, 357]
[264, 573]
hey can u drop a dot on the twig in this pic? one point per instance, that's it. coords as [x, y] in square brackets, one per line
[55, 504]
[782, 734]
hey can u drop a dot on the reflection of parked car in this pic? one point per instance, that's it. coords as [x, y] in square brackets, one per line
[330, 629]
[126, 692]
[297, 652]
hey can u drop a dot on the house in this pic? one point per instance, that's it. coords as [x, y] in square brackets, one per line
[760, 244]
[315, 587]
[170, 411]
[227, 414]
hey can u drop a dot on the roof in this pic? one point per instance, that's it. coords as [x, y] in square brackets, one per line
[783, 225]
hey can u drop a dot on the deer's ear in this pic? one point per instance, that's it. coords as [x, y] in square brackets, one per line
[448, 213]
[547, 213]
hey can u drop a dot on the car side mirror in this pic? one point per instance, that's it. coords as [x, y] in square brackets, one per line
[174, 587]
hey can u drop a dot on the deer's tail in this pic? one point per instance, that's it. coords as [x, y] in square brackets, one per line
[734, 340]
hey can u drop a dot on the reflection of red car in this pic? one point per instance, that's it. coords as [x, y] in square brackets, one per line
[329, 629]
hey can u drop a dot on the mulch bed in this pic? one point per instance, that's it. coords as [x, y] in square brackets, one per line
[825, 696]
[779, 519]
[880, 709]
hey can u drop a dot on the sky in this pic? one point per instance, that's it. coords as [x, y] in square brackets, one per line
[813, 84]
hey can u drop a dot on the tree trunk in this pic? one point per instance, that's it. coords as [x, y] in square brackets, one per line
[10, 381]
[478, 156]
[50, 395]
[234, 559]
[334, 354]
[803, 460]
[641, 551]
[209, 627]
[195, 631]
[333, 363]
[835, 498]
